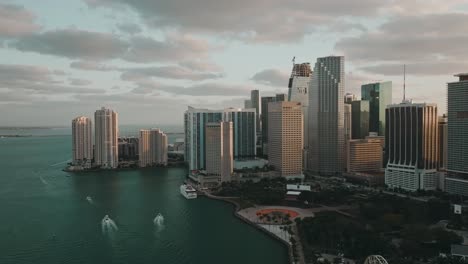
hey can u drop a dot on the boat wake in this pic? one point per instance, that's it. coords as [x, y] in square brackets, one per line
[62, 162]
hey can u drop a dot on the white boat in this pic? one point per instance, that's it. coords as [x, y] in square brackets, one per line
[188, 191]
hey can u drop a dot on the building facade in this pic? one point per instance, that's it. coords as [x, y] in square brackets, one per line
[244, 131]
[347, 130]
[360, 119]
[298, 87]
[411, 143]
[82, 141]
[128, 148]
[379, 95]
[255, 100]
[443, 142]
[264, 119]
[106, 130]
[326, 117]
[195, 121]
[365, 155]
[152, 149]
[285, 123]
[219, 150]
[456, 181]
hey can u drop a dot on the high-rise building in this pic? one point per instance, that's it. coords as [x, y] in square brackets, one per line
[106, 153]
[443, 141]
[456, 181]
[326, 116]
[244, 131]
[347, 129]
[195, 121]
[152, 148]
[128, 148]
[247, 104]
[280, 97]
[219, 150]
[285, 138]
[379, 96]
[349, 97]
[256, 103]
[411, 146]
[82, 141]
[265, 102]
[365, 155]
[298, 92]
[360, 119]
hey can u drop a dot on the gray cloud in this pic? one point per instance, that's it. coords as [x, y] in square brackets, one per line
[96, 46]
[418, 69]
[170, 72]
[16, 21]
[272, 77]
[267, 21]
[201, 66]
[73, 43]
[129, 28]
[174, 47]
[36, 80]
[420, 38]
[263, 21]
[79, 82]
[92, 66]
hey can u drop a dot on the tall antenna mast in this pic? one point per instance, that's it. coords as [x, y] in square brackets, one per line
[404, 83]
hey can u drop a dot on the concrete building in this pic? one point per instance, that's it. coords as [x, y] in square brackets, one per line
[82, 142]
[298, 87]
[379, 95]
[106, 153]
[443, 141]
[456, 181]
[195, 121]
[219, 150]
[411, 144]
[281, 97]
[360, 119]
[152, 148]
[244, 131]
[256, 103]
[285, 138]
[326, 116]
[365, 155]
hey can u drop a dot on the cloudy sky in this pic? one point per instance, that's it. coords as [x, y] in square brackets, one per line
[150, 59]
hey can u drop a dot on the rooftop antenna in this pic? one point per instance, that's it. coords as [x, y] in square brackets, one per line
[404, 83]
[294, 60]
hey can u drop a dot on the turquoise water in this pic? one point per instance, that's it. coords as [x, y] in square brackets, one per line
[45, 216]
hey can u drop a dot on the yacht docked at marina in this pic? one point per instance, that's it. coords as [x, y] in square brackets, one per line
[188, 191]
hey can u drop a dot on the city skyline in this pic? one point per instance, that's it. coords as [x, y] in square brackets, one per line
[87, 53]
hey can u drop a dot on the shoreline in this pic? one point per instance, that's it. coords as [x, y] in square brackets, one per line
[247, 221]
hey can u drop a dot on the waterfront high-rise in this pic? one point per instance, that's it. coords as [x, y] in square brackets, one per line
[379, 95]
[82, 141]
[244, 131]
[255, 101]
[106, 153]
[280, 97]
[195, 121]
[152, 148]
[265, 102]
[128, 148]
[456, 181]
[285, 138]
[349, 97]
[326, 116]
[411, 146]
[360, 119]
[298, 92]
[219, 150]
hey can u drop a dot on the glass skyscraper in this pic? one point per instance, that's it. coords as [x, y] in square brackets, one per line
[379, 96]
